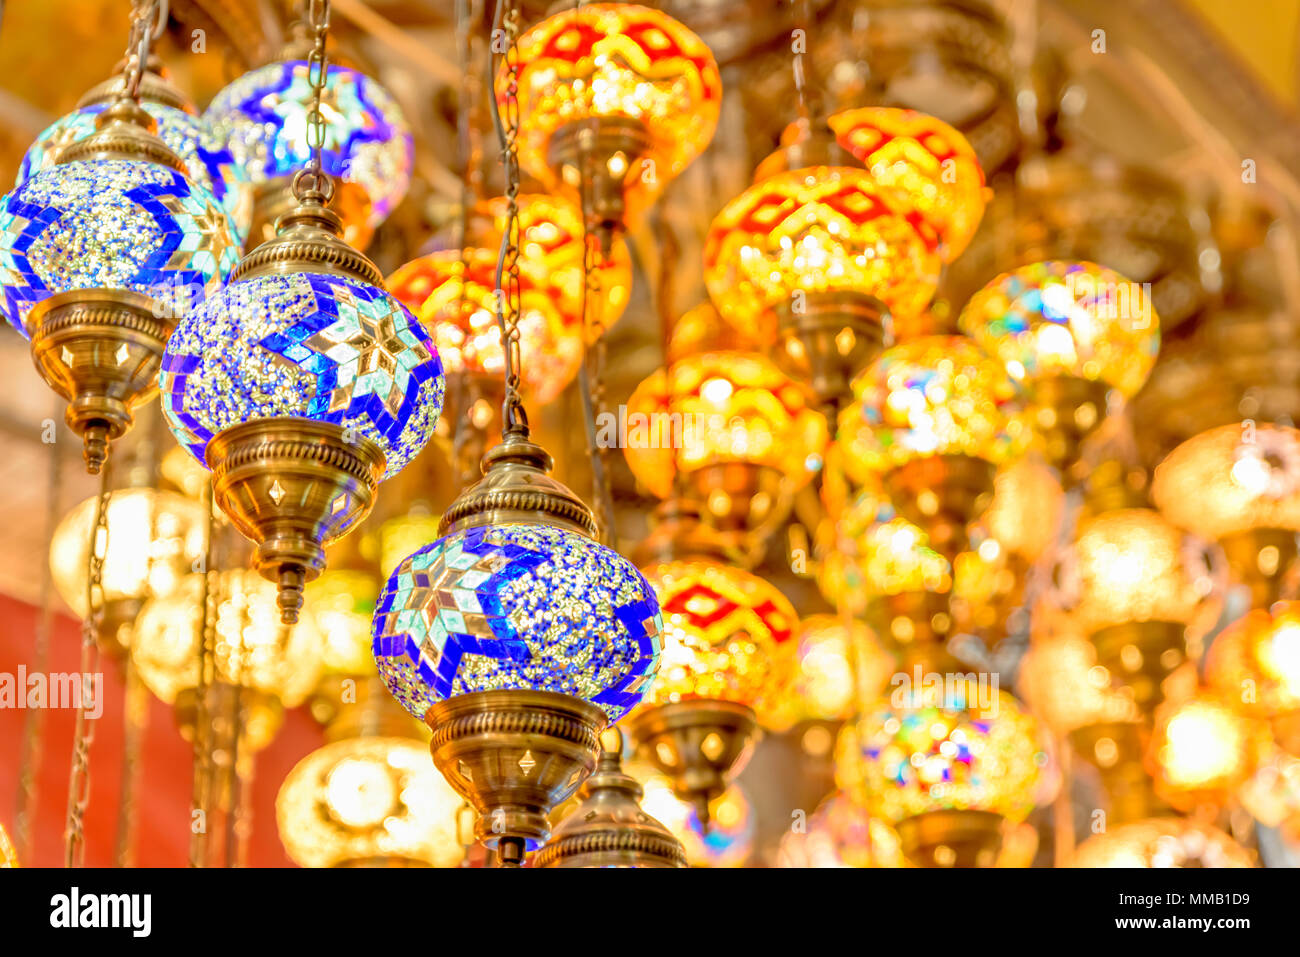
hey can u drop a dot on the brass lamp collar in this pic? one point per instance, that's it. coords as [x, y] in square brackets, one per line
[609, 829]
[154, 87]
[309, 238]
[516, 487]
[124, 131]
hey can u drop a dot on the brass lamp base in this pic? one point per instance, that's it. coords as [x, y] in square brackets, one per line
[515, 756]
[291, 485]
[826, 339]
[942, 495]
[101, 350]
[1264, 561]
[952, 838]
[917, 625]
[1068, 411]
[700, 744]
[1140, 655]
[1116, 750]
[597, 157]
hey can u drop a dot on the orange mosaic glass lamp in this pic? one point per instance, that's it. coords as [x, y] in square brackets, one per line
[924, 163]
[744, 435]
[452, 291]
[1203, 750]
[615, 100]
[933, 419]
[1255, 664]
[728, 635]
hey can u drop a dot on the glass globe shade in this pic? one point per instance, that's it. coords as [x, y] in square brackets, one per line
[1072, 319]
[1162, 842]
[923, 163]
[1255, 661]
[937, 395]
[252, 649]
[1202, 750]
[1028, 504]
[728, 635]
[1232, 479]
[619, 62]
[823, 229]
[836, 663]
[208, 163]
[1130, 565]
[931, 748]
[342, 604]
[262, 118]
[841, 834]
[369, 801]
[513, 606]
[154, 540]
[722, 407]
[1064, 687]
[112, 224]
[728, 841]
[306, 345]
[453, 292]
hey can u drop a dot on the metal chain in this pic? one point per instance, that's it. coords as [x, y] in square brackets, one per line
[312, 177]
[591, 384]
[202, 781]
[33, 746]
[506, 23]
[84, 731]
[148, 20]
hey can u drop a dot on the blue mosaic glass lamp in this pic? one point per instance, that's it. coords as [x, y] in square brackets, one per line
[516, 636]
[99, 254]
[262, 118]
[208, 163]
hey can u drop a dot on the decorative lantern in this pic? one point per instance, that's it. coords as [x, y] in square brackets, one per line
[1254, 664]
[614, 101]
[1239, 485]
[838, 664]
[1203, 750]
[1162, 842]
[946, 767]
[1070, 331]
[933, 419]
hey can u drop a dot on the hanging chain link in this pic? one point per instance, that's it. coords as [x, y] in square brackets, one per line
[312, 177]
[148, 20]
[84, 731]
[506, 25]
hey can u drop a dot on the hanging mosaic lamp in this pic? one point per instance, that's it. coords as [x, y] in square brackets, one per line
[208, 163]
[262, 118]
[933, 419]
[615, 100]
[99, 255]
[1071, 332]
[823, 257]
[302, 385]
[728, 652]
[516, 637]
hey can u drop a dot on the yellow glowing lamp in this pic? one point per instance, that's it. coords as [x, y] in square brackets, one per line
[615, 100]
[925, 163]
[948, 763]
[154, 540]
[341, 602]
[728, 636]
[8, 856]
[1239, 485]
[1202, 751]
[1066, 688]
[369, 802]
[806, 235]
[1025, 514]
[251, 648]
[1255, 664]
[836, 663]
[722, 408]
[1162, 842]
[453, 292]
[841, 834]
